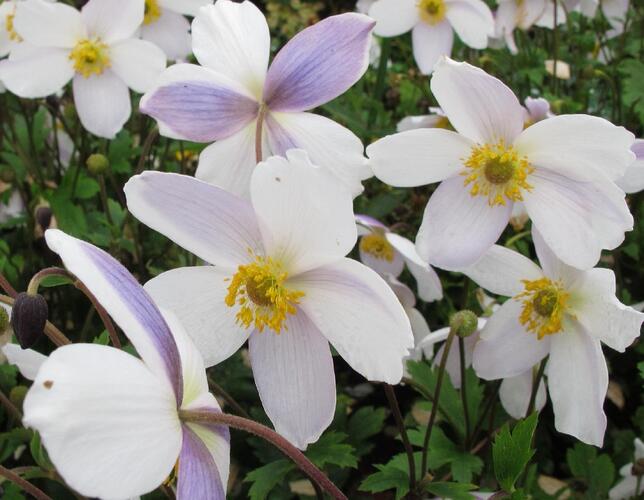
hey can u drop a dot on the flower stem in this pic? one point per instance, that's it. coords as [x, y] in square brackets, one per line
[217, 389]
[147, 146]
[6, 286]
[536, 381]
[466, 413]
[395, 409]
[24, 484]
[10, 407]
[380, 81]
[258, 133]
[272, 437]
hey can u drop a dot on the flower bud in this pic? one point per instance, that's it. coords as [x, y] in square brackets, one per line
[464, 323]
[28, 318]
[97, 164]
[43, 217]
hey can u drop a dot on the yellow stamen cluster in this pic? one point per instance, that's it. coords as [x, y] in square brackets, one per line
[90, 57]
[11, 31]
[152, 11]
[432, 11]
[258, 289]
[497, 171]
[544, 304]
[376, 245]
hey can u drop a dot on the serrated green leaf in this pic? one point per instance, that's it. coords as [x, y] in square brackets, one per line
[596, 471]
[453, 491]
[266, 478]
[388, 477]
[512, 451]
[363, 424]
[331, 449]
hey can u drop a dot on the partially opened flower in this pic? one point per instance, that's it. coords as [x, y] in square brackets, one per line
[279, 279]
[165, 26]
[633, 179]
[432, 24]
[436, 119]
[536, 109]
[388, 253]
[517, 14]
[562, 168]
[631, 485]
[253, 112]
[560, 312]
[95, 48]
[110, 421]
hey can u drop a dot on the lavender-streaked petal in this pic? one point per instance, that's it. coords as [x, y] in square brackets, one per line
[320, 63]
[198, 473]
[280, 140]
[367, 220]
[126, 301]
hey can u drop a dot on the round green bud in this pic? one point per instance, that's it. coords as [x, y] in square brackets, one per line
[17, 395]
[464, 323]
[4, 320]
[97, 164]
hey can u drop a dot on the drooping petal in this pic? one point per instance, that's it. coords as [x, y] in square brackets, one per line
[428, 343]
[198, 473]
[459, 228]
[505, 348]
[394, 17]
[171, 33]
[478, 105]
[418, 157]
[137, 62]
[126, 301]
[359, 314]
[112, 20]
[502, 270]
[327, 143]
[28, 361]
[213, 224]
[233, 39]
[633, 179]
[515, 393]
[198, 104]
[430, 43]
[102, 103]
[195, 295]
[419, 326]
[109, 424]
[294, 375]
[306, 216]
[404, 294]
[472, 20]
[581, 147]
[187, 7]
[577, 382]
[48, 24]
[320, 63]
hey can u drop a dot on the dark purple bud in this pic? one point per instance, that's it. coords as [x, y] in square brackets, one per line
[28, 318]
[43, 217]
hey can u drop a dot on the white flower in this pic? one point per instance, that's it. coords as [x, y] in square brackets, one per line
[560, 312]
[279, 279]
[95, 48]
[517, 14]
[614, 11]
[627, 487]
[433, 23]
[562, 168]
[436, 119]
[13, 208]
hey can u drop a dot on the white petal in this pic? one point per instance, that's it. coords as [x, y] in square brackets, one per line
[382, 266]
[459, 228]
[515, 394]
[430, 43]
[577, 382]
[394, 17]
[294, 375]
[48, 24]
[187, 7]
[171, 33]
[306, 216]
[506, 349]
[233, 39]
[28, 361]
[502, 270]
[138, 63]
[112, 20]
[359, 314]
[32, 72]
[102, 103]
[419, 326]
[110, 426]
[625, 489]
[195, 295]
[633, 179]
[418, 157]
[428, 343]
[552, 266]
[472, 20]
[478, 105]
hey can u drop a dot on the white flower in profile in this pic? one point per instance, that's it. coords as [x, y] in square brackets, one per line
[436, 119]
[388, 253]
[517, 14]
[94, 47]
[165, 26]
[432, 24]
[279, 279]
[547, 19]
[563, 169]
[633, 179]
[252, 110]
[110, 421]
[628, 486]
[556, 311]
[613, 10]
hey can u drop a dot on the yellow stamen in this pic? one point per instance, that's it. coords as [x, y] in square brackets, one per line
[90, 57]
[544, 304]
[259, 290]
[11, 31]
[376, 245]
[497, 171]
[432, 11]
[152, 11]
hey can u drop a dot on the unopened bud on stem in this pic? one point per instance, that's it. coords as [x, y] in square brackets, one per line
[464, 323]
[97, 164]
[28, 318]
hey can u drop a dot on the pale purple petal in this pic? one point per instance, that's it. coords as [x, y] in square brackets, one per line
[280, 140]
[198, 473]
[367, 220]
[319, 63]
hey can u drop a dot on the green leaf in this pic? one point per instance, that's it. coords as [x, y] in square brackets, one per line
[512, 451]
[52, 281]
[330, 449]
[596, 471]
[632, 89]
[86, 187]
[394, 475]
[363, 424]
[39, 453]
[266, 478]
[454, 491]
[102, 339]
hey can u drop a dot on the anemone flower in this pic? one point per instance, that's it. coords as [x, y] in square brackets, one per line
[560, 312]
[388, 253]
[253, 112]
[614, 11]
[562, 168]
[95, 48]
[517, 14]
[279, 279]
[165, 26]
[436, 119]
[630, 486]
[432, 24]
[110, 421]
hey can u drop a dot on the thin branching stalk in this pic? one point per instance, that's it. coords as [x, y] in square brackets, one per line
[536, 381]
[37, 493]
[395, 410]
[466, 413]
